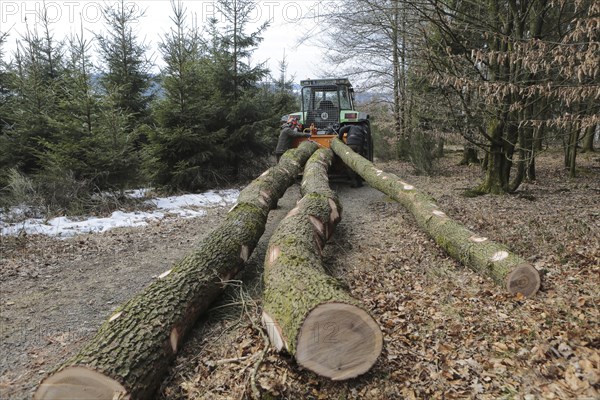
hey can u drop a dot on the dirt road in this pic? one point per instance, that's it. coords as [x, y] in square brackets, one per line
[447, 330]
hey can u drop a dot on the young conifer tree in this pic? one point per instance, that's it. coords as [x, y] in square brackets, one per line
[32, 97]
[125, 67]
[182, 149]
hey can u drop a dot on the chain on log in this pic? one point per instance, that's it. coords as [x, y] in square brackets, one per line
[478, 252]
[306, 312]
[128, 356]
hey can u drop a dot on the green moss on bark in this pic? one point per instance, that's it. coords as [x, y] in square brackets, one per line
[135, 346]
[296, 282]
[481, 254]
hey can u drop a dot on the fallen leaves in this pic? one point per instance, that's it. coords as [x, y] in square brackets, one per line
[448, 332]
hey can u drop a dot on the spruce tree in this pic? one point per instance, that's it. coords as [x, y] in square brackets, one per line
[32, 99]
[77, 114]
[181, 151]
[125, 68]
[247, 114]
[5, 77]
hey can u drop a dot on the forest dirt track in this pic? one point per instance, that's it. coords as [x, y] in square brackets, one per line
[448, 332]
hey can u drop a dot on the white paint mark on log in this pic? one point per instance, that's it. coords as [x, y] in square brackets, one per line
[317, 225]
[347, 152]
[265, 195]
[265, 173]
[244, 253]
[438, 213]
[117, 315]
[293, 211]
[478, 239]
[273, 332]
[334, 216]
[232, 208]
[174, 337]
[409, 187]
[273, 255]
[165, 274]
[499, 256]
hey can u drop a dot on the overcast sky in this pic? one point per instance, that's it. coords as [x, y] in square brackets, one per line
[289, 20]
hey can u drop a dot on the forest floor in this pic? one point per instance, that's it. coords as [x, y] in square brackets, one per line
[448, 332]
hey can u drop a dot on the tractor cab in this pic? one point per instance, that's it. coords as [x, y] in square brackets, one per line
[328, 105]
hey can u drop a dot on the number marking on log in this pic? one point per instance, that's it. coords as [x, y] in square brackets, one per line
[338, 341]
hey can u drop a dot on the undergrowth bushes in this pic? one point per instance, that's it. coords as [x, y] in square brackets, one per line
[60, 193]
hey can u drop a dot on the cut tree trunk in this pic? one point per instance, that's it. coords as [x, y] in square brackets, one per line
[306, 312]
[475, 251]
[132, 350]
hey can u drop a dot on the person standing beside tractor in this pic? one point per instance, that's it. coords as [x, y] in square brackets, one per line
[355, 139]
[289, 130]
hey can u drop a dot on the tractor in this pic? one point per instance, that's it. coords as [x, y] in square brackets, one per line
[328, 105]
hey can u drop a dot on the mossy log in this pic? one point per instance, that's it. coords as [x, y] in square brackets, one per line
[132, 350]
[306, 312]
[471, 249]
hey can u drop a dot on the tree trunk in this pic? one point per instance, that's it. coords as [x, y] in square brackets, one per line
[132, 350]
[494, 178]
[479, 253]
[306, 312]
[469, 155]
[588, 139]
[439, 148]
[572, 157]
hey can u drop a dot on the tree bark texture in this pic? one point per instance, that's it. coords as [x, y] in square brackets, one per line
[132, 350]
[477, 252]
[306, 312]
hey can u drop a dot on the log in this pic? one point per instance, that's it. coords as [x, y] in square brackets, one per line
[306, 312]
[130, 353]
[479, 253]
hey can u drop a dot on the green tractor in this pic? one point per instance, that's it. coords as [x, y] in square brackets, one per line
[327, 106]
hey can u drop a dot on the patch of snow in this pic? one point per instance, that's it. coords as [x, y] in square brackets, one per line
[138, 193]
[185, 206]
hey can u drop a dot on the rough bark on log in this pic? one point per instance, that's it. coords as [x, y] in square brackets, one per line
[305, 310]
[132, 350]
[477, 252]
